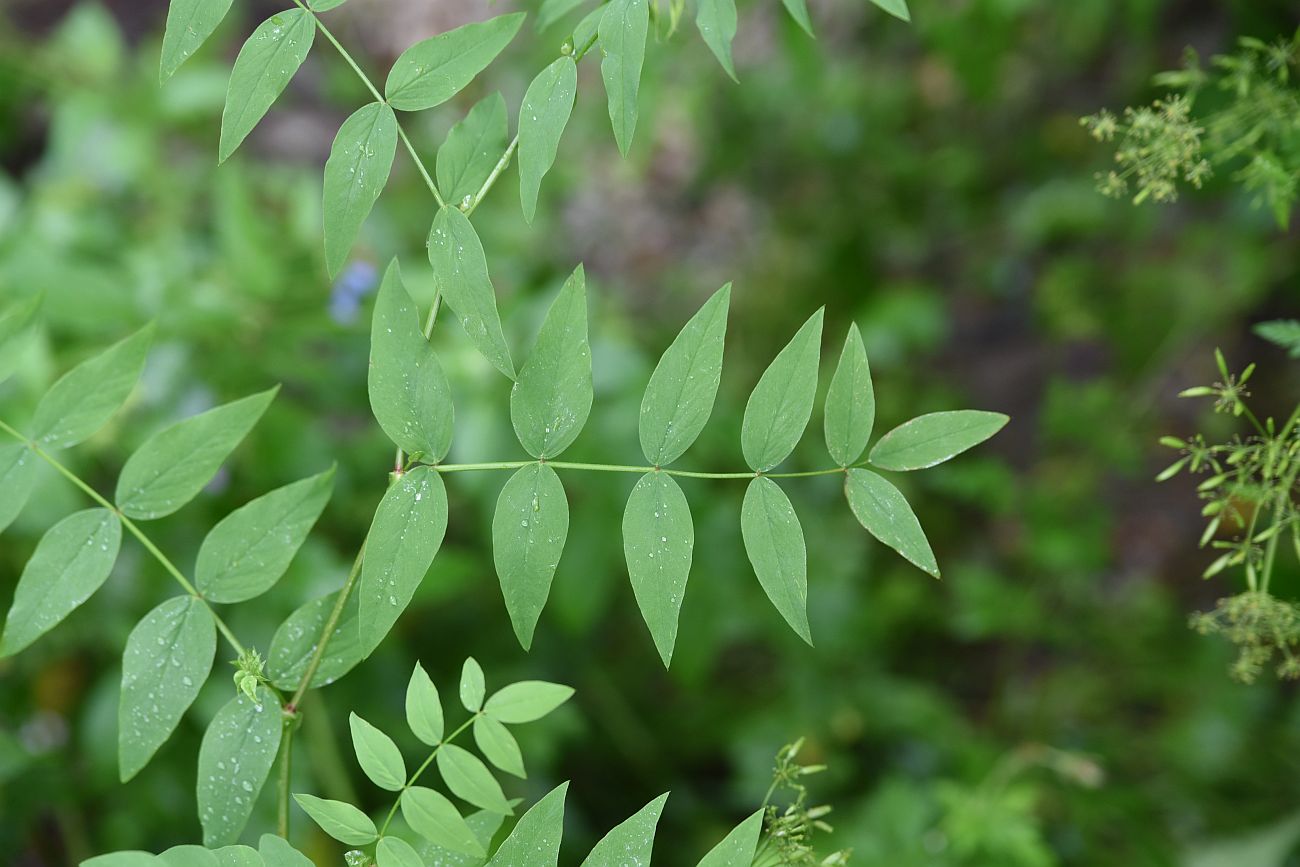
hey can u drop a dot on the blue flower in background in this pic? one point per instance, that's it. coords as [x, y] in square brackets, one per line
[357, 280]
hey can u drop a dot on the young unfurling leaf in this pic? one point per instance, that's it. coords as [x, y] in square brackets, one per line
[235, 758]
[461, 272]
[528, 533]
[355, 174]
[775, 544]
[431, 815]
[716, 21]
[526, 701]
[189, 24]
[737, 848]
[535, 841]
[623, 31]
[850, 403]
[679, 397]
[423, 707]
[262, 70]
[472, 149]
[167, 660]
[934, 438]
[173, 465]
[883, 511]
[404, 538]
[658, 540]
[70, 563]
[409, 394]
[378, 756]
[545, 111]
[630, 842]
[434, 70]
[249, 549]
[550, 402]
[781, 403]
[340, 820]
[469, 778]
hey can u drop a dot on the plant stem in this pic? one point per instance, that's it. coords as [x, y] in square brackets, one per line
[133, 528]
[420, 770]
[492, 177]
[327, 632]
[628, 468]
[286, 759]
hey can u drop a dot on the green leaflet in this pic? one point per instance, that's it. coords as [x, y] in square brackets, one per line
[355, 174]
[798, 10]
[658, 539]
[423, 708]
[295, 641]
[498, 746]
[472, 149]
[378, 756]
[276, 852]
[189, 856]
[238, 856]
[484, 826]
[897, 8]
[544, 113]
[775, 545]
[434, 70]
[781, 403]
[623, 31]
[679, 397]
[235, 757]
[249, 549]
[554, 10]
[325, 5]
[631, 841]
[88, 395]
[403, 540]
[526, 701]
[461, 273]
[472, 687]
[173, 465]
[469, 778]
[437, 820]
[737, 848]
[884, 512]
[550, 401]
[934, 438]
[167, 660]
[528, 532]
[189, 24]
[850, 403]
[262, 70]
[535, 841]
[409, 394]
[70, 563]
[16, 333]
[340, 820]
[396, 852]
[17, 480]
[716, 21]
[123, 859]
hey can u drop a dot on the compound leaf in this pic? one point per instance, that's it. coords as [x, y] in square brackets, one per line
[431, 815]
[544, 113]
[934, 438]
[550, 401]
[716, 21]
[235, 758]
[167, 660]
[781, 403]
[623, 31]
[378, 756]
[189, 24]
[340, 820]
[775, 545]
[472, 149]
[658, 541]
[434, 70]
[249, 549]
[355, 174]
[423, 707]
[469, 778]
[528, 533]
[262, 70]
[526, 701]
[850, 403]
[883, 511]
[461, 273]
[88, 395]
[535, 841]
[176, 463]
[631, 841]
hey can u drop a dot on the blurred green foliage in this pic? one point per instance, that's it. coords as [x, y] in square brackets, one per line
[930, 183]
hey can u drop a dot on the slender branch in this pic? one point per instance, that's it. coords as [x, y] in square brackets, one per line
[496, 173]
[628, 468]
[133, 528]
[327, 632]
[286, 762]
[420, 770]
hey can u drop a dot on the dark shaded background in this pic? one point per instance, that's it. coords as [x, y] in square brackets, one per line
[930, 183]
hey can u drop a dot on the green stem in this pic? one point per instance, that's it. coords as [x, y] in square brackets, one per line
[420, 770]
[286, 758]
[131, 527]
[492, 177]
[628, 468]
[327, 632]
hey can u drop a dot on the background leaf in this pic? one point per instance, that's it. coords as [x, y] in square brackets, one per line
[716, 21]
[460, 270]
[16, 333]
[798, 10]
[737, 848]
[934, 438]
[472, 149]
[277, 852]
[658, 539]
[535, 841]
[550, 402]
[249, 549]
[528, 532]
[472, 687]
[543, 115]
[631, 841]
[262, 70]
[437, 820]
[355, 174]
[378, 756]
[775, 545]
[526, 701]
[469, 779]
[88, 395]
[235, 757]
[238, 856]
[623, 31]
[396, 852]
[70, 563]
[173, 465]
[850, 403]
[897, 8]
[295, 640]
[167, 660]
[403, 540]
[498, 746]
[189, 24]
[781, 403]
[423, 707]
[679, 397]
[432, 71]
[409, 394]
[17, 480]
[883, 511]
[340, 820]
